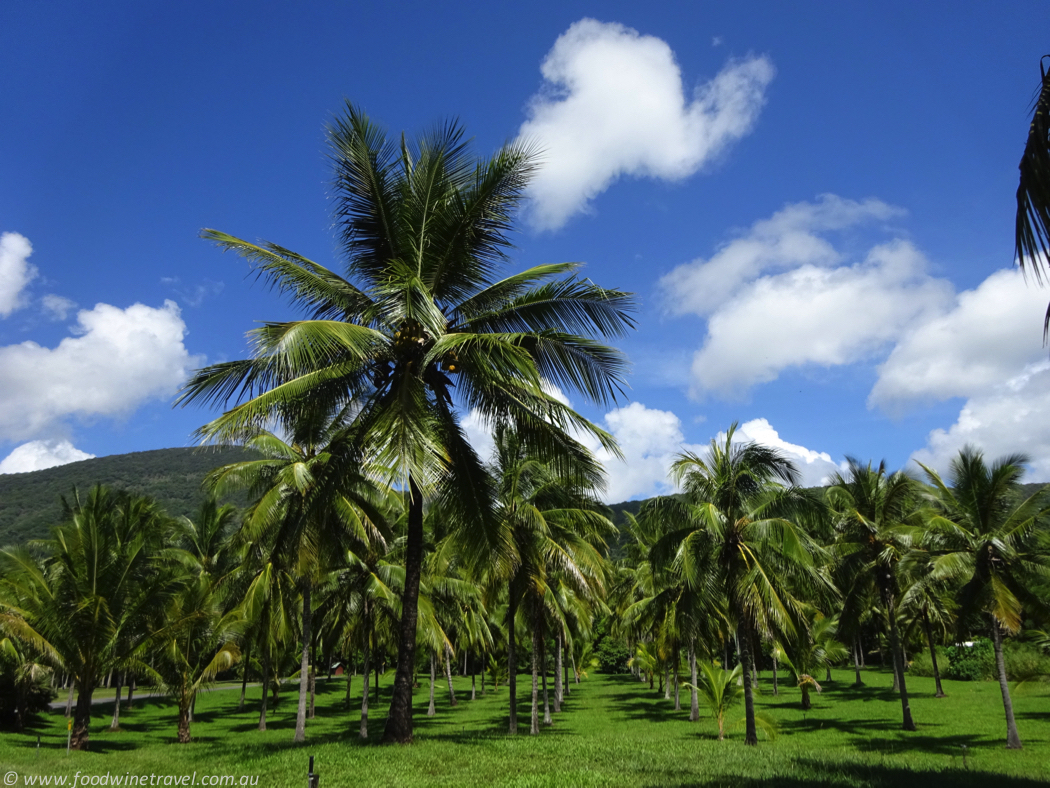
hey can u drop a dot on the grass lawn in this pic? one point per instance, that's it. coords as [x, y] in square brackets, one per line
[613, 730]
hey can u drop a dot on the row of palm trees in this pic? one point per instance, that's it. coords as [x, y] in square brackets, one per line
[121, 589]
[375, 522]
[744, 555]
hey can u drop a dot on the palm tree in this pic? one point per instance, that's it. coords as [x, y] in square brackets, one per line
[985, 536]
[195, 641]
[877, 515]
[813, 647]
[720, 691]
[314, 499]
[85, 606]
[552, 532]
[736, 539]
[1032, 231]
[425, 329]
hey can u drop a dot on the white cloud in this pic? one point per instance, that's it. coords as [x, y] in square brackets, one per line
[782, 295]
[985, 348]
[57, 307]
[649, 439]
[37, 455]
[118, 359]
[815, 315]
[1013, 417]
[15, 271]
[613, 104]
[988, 336]
[815, 466]
[788, 239]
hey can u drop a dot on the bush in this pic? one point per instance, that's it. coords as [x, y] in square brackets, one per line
[1025, 662]
[971, 663]
[922, 665]
[612, 655]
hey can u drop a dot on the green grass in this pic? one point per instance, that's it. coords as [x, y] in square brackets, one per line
[612, 731]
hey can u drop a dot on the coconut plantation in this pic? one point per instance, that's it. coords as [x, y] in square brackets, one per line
[504, 398]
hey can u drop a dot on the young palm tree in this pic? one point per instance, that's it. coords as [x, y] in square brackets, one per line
[195, 641]
[85, 606]
[877, 515]
[813, 647]
[736, 539]
[985, 536]
[422, 328]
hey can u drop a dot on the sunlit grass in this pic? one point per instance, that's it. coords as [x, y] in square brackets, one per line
[613, 731]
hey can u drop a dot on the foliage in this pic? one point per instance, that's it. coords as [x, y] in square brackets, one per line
[30, 503]
[611, 654]
[971, 663]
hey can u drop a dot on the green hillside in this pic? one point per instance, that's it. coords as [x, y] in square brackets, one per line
[30, 502]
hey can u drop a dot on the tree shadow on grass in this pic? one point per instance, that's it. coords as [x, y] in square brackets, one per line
[809, 772]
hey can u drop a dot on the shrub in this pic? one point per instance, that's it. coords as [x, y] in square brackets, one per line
[971, 663]
[1025, 662]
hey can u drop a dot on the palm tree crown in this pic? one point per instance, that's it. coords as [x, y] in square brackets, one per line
[421, 329]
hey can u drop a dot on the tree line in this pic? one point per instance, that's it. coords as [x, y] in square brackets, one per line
[377, 534]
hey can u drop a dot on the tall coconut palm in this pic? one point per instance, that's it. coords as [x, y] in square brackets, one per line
[986, 533]
[877, 520]
[422, 328]
[737, 538]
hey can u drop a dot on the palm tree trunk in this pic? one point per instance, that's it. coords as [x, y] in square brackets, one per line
[114, 725]
[1013, 739]
[565, 680]
[304, 668]
[265, 687]
[69, 700]
[694, 700]
[349, 676]
[667, 681]
[82, 718]
[431, 710]
[535, 725]
[448, 675]
[751, 731]
[807, 704]
[473, 678]
[856, 663]
[557, 676]
[543, 664]
[776, 688]
[313, 681]
[575, 673]
[933, 653]
[244, 676]
[677, 683]
[399, 720]
[512, 661]
[898, 658]
[364, 689]
[184, 720]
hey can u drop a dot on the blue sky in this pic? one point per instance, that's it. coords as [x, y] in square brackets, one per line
[813, 206]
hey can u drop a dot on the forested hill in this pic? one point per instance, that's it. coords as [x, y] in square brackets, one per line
[30, 502]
